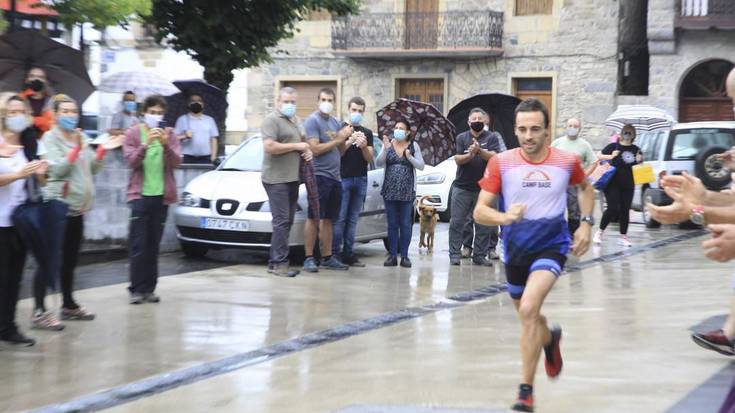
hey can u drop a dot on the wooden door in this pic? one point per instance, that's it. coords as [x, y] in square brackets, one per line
[423, 90]
[422, 25]
[308, 95]
[703, 109]
[541, 89]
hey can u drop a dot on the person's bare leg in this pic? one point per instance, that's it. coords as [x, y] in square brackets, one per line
[729, 327]
[534, 332]
[310, 232]
[325, 237]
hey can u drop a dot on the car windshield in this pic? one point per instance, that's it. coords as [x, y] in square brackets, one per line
[687, 143]
[248, 158]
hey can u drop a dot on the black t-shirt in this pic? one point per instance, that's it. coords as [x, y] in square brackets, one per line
[623, 163]
[468, 174]
[353, 164]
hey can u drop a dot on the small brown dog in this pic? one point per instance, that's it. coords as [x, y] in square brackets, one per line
[427, 219]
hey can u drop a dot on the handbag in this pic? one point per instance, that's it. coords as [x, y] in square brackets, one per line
[643, 174]
[602, 175]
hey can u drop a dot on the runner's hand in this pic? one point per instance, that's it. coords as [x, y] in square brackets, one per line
[29, 169]
[721, 247]
[515, 213]
[582, 238]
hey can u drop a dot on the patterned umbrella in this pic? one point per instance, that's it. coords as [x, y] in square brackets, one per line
[142, 83]
[642, 117]
[215, 101]
[432, 131]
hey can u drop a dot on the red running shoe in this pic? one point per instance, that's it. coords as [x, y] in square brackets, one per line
[553, 362]
[715, 340]
[523, 404]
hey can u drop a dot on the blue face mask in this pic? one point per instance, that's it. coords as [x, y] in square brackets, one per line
[399, 134]
[288, 110]
[130, 106]
[355, 118]
[68, 122]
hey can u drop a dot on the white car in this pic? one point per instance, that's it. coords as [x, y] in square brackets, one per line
[228, 208]
[436, 182]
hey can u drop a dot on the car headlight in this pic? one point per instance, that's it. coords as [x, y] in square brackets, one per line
[189, 200]
[432, 178]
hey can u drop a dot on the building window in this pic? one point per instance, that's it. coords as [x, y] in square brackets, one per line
[308, 95]
[423, 90]
[532, 7]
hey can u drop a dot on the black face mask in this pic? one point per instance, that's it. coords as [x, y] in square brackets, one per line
[477, 126]
[196, 107]
[35, 85]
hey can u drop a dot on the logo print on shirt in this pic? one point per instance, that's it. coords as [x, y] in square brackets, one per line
[628, 157]
[536, 179]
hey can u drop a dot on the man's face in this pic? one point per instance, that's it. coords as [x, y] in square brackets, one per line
[36, 73]
[16, 107]
[573, 123]
[156, 110]
[196, 99]
[476, 117]
[129, 98]
[286, 98]
[323, 97]
[531, 132]
[355, 108]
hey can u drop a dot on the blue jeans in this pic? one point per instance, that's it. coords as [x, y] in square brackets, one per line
[400, 221]
[353, 196]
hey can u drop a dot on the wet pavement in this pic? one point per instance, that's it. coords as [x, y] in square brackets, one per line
[437, 339]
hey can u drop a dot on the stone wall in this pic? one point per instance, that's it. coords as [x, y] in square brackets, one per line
[577, 45]
[107, 222]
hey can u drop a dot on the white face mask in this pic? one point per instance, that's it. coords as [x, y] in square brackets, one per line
[152, 120]
[326, 108]
[17, 123]
[572, 132]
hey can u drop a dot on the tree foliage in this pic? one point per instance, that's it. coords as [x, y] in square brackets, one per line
[227, 35]
[101, 13]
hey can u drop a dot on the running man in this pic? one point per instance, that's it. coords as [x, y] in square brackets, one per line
[532, 183]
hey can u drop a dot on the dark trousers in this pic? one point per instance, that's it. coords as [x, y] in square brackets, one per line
[283, 199]
[353, 196]
[12, 261]
[618, 205]
[400, 221]
[147, 220]
[203, 159]
[463, 204]
[73, 232]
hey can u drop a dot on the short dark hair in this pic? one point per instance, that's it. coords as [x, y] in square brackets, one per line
[128, 92]
[477, 110]
[327, 91]
[357, 100]
[534, 105]
[154, 100]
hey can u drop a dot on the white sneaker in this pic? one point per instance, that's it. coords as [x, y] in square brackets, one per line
[624, 241]
[597, 239]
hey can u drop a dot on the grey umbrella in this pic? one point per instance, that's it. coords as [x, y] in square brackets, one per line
[64, 65]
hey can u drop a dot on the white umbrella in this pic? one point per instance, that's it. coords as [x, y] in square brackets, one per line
[142, 83]
[642, 117]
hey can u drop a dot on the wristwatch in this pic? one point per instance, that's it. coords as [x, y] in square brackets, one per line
[588, 219]
[697, 215]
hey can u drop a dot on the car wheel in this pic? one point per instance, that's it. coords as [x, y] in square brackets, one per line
[194, 250]
[647, 198]
[710, 168]
[447, 215]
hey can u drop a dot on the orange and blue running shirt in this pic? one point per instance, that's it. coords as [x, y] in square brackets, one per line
[542, 187]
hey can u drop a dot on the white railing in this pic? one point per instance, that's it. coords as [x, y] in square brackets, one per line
[694, 7]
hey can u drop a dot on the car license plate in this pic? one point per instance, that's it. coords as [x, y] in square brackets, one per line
[224, 224]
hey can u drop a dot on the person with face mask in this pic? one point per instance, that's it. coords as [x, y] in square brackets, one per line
[197, 133]
[127, 116]
[401, 157]
[474, 148]
[152, 153]
[572, 142]
[327, 137]
[38, 93]
[283, 150]
[619, 192]
[73, 162]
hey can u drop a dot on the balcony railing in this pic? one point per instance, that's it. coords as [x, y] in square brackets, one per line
[706, 14]
[405, 35]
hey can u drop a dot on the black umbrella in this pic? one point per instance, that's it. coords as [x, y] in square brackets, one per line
[215, 100]
[502, 114]
[64, 66]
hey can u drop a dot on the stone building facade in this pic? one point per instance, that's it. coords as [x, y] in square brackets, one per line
[568, 52]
